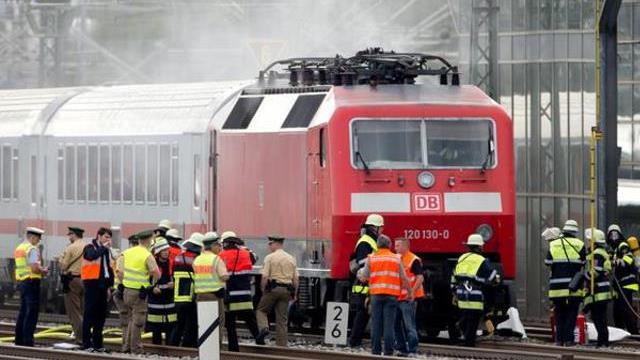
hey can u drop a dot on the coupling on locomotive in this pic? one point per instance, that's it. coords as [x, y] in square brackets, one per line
[307, 153]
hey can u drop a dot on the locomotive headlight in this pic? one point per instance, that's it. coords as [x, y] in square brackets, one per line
[426, 179]
[486, 231]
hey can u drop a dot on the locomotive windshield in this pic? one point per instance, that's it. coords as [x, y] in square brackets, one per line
[422, 143]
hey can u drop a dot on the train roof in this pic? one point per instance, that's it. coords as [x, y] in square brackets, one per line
[142, 109]
[162, 109]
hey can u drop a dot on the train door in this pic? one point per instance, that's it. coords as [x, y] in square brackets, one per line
[211, 207]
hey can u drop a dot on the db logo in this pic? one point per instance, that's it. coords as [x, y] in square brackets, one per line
[427, 202]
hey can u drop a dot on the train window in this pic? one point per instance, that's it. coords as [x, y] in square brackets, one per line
[15, 182]
[139, 170]
[6, 172]
[152, 174]
[33, 178]
[323, 148]
[175, 190]
[127, 173]
[104, 173]
[81, 173]
[414, 144]
[383, 144]
[70, 171]
[116, 173]
[459, 143]
[60, 173]
[243, 112]
[196, 181]
[165, 173]
[93, 173]
[303, 111]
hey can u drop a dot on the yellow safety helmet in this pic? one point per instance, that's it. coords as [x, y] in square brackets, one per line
[374, 220]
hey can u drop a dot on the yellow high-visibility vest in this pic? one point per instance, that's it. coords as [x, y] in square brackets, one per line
[136, 274]
[205, 276]
[23, 270]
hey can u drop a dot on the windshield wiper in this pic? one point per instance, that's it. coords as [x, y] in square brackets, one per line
[362, 160]
[491, 150]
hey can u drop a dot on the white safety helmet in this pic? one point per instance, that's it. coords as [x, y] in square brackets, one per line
[475, 240]
[34, 230]
[599, 237]
[196, 239]
[571, 226]
[173, 233]
[374, 220]
[551, 233]
[228, 234]
[164, 224]
[210, 236]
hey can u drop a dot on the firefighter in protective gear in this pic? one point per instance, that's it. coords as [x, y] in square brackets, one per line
[625, 272]
[162, 228]
[365, 246]
[29, 272]
[186, 330]
[239, 303]
[598, 301]
[386, 276]
[161, 314]
[571, 229]
[210, 275]
[138, 271]
[614, 238]
[472, 272]
[565, 258]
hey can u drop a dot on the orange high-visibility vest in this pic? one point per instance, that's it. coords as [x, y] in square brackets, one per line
[90, 269]
[407, 260]
[384, 276]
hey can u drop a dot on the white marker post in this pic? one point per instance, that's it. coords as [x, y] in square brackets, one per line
[208, 330]
[335, 330]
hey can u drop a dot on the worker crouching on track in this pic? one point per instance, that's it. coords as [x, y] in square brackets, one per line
[29, 272]
[161, 315]
[279, 284]
[386, 276]
[472, 272]
[70, 266]
[185, 332]
[366, 245]
[238, 299]
[597, 301]
[210, 274]
[405, 326]
[135, 269]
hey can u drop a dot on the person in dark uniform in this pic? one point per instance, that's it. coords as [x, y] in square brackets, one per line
[471, 274]
[597, 299]
[625, 271]
[98, 278]
[239, 301]
[29, 272]
[161, 314]
[186, 330]
[366, 245]
[565, 258]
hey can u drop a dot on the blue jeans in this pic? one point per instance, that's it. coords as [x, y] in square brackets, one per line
[405, 327]
[383, 317]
